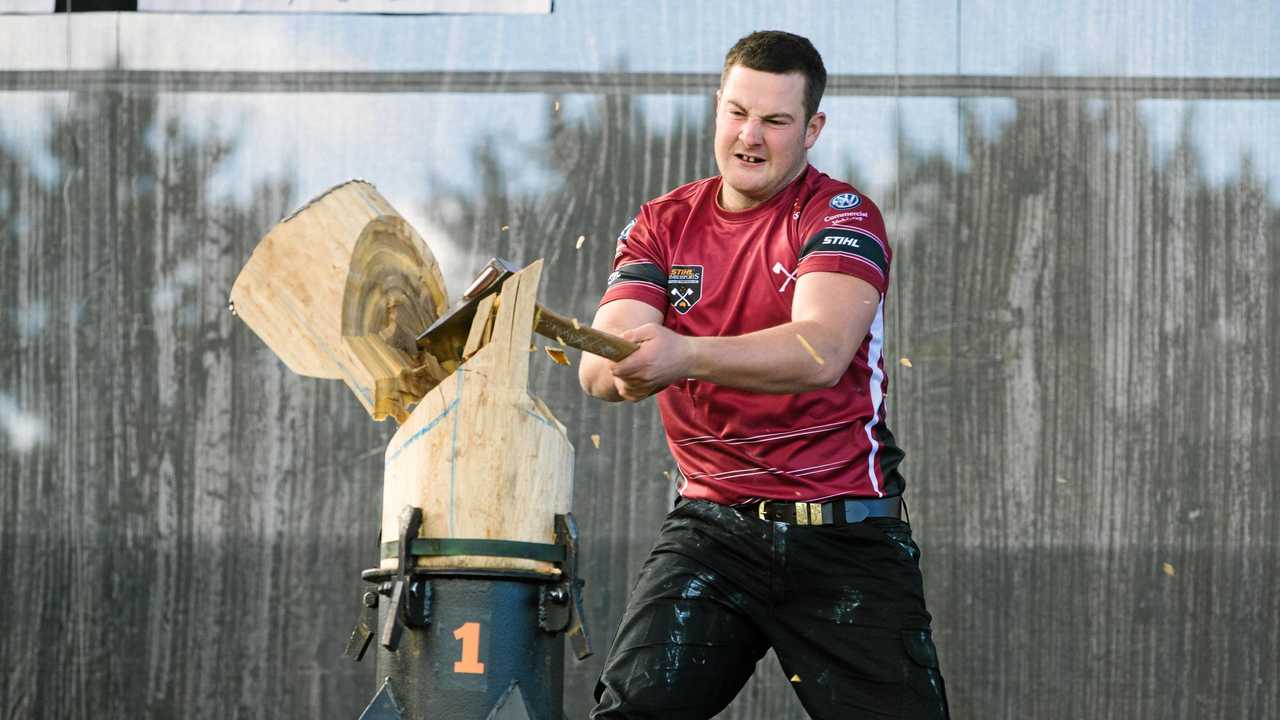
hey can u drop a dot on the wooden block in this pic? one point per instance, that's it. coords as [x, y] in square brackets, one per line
[481, 456]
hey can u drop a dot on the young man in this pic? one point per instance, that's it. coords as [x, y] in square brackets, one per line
[757, 298]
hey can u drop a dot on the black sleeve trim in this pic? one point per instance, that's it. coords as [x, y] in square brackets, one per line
[849, 242]
[644, 272]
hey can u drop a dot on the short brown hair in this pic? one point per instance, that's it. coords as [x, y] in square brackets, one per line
[775, 51]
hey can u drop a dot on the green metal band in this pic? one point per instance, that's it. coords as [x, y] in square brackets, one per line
[449, 547]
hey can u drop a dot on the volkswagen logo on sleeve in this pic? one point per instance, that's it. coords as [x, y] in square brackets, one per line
[844, 201]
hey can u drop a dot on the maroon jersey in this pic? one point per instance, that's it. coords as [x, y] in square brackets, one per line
[719, 273]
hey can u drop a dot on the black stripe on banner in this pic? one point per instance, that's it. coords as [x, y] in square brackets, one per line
[848, 241]
[95, 6]
[643, 272]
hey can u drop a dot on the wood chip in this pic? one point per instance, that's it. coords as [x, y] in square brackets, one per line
[533, 348]
[813, 353]
[904, 362]
[558, 355]
[1060, 481]
[595, 440]
[505, 227]
[666, 474]
[556, 107]
[576, 326]
[795, 678]
[1167, 568]
[581, 239]
[561, 340]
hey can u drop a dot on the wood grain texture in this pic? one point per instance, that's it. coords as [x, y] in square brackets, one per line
[1092, 332]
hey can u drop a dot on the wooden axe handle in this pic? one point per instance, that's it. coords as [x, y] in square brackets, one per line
[582, 337]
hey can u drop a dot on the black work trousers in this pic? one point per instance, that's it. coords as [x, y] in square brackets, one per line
[841, 606]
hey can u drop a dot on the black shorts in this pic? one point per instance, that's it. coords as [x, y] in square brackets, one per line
[842, 607]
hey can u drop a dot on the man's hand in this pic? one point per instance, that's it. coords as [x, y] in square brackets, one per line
[663, 358]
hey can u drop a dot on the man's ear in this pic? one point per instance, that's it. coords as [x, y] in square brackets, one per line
[813, 129]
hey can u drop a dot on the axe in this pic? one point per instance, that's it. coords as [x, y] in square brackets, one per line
[446, 338]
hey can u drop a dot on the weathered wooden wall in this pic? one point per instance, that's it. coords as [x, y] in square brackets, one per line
[1092, 331]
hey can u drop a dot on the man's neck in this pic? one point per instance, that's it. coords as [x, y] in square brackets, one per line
[744, 203]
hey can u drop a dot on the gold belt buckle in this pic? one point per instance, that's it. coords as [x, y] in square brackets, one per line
[808, 513]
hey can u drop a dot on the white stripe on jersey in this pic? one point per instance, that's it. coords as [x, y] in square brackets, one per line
[646, 283]
[849, 255]
[877, 397]
[744, 472]
[761, 438]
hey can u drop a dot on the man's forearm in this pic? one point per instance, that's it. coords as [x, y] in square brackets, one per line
[596, 379]
[774, 360]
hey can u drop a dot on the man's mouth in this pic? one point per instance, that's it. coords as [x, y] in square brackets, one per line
[751, 159]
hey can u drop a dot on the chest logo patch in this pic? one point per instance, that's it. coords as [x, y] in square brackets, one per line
[684, 287]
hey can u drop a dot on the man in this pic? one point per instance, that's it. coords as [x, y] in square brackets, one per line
[757, 298]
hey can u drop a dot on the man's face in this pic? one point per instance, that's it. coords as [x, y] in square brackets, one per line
[761, 135]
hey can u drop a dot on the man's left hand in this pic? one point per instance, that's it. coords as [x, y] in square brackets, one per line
[664, 357]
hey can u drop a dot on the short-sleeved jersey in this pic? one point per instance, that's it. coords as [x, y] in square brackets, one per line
[719, 273]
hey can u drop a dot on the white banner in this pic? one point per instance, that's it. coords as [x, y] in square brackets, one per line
[398, 7]
[26, 6]
[378, 7]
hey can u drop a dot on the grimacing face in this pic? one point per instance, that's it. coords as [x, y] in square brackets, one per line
[762, 139]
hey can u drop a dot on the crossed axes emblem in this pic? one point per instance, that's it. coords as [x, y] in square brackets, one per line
[777, 268]
[682, 298]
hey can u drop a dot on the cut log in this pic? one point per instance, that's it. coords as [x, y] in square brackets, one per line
[341, 289]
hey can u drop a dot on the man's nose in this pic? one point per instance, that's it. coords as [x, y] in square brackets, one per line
[751, 132]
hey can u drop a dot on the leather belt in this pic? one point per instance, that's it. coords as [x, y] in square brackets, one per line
[841, 511]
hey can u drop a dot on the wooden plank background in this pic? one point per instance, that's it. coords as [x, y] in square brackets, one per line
[1092, 332]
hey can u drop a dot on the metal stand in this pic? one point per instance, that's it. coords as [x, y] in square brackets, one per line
[482, 644]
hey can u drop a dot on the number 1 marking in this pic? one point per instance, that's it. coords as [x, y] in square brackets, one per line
[470, 663]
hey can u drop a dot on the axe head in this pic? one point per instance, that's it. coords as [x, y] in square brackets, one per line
[446, 337]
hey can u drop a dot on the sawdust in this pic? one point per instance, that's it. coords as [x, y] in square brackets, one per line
[904, 362]
[809, 348]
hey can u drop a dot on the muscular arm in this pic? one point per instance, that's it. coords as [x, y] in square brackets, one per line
[595, 373]
[831, 311]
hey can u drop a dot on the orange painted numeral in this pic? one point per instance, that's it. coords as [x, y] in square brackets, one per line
[470, 663]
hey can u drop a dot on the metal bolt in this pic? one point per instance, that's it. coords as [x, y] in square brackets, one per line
[371, 599]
